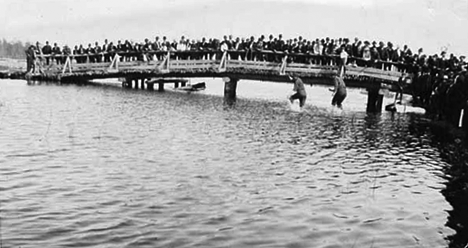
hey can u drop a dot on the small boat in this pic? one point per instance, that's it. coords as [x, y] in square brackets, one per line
[193, 87]
[404, 108]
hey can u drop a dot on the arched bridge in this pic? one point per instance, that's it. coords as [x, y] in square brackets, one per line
[313, 69]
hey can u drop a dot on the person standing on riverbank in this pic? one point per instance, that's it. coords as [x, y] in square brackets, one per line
[300, 92]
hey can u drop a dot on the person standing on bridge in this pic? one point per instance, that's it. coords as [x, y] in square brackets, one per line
[57, 54]
[339, 92]
[299, 88]
[30, 59]
[47, 50]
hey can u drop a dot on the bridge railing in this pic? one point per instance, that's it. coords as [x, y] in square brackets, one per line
[247, 61]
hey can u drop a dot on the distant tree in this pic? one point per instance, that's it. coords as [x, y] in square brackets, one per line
[14, 50]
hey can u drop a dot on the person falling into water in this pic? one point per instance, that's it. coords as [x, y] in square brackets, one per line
[300, 92]
[339, 92]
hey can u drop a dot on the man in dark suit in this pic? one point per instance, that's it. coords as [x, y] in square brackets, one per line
[105, 48]
[99, 52]
[278, 47]
[57, 53]
[91, 52]
[47, 51]
[30, 57]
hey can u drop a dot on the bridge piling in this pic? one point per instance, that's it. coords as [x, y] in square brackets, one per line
[127, 83]
[230, 87]
[136, 83]
[374, 100]
[142, 83]
[161, 87]
[150, 86]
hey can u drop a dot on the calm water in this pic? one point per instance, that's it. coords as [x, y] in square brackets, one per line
[101, 166]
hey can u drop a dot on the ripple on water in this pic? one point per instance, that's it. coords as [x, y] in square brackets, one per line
[105, 167]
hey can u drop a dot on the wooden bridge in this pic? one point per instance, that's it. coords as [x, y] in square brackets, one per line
[140, 67]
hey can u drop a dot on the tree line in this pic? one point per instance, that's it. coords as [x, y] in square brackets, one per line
[13, 49]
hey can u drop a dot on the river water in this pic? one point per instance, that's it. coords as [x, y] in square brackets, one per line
[102, 166]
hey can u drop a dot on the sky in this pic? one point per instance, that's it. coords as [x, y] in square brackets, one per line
[431, 24]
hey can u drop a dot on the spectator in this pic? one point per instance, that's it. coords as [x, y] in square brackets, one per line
[366, 54]
[47, 51]
[57, 54]
[30, 57]
[98, 53]
[105, 48]
[90, 52]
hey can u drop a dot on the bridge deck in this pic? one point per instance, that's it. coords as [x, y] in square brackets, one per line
[167, 67]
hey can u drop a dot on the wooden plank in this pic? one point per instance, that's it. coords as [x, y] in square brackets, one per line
[195, 66]
[374, 73]
[255, 67]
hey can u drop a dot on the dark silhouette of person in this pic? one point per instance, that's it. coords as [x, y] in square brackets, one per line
[299, 88]
[47, 51]
[339, 92]
[30, 59]
[57, 52]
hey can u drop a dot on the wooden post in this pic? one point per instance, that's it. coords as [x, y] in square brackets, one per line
[114, 65]
[230, 87]
[136, 83]
[176, 85]
[161, 87]
[465, 119]
[283, 65]
[125, 83]
[164, 66]
[223, 63]
[67, 66]
[374, 101]
[142, 83]
[150, 86]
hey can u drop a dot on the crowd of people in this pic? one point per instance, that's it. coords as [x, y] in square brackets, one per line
[432, 74]
[326, 51]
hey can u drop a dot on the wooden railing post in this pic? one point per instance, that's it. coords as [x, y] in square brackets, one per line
[67, 66]
[38, 64]
[283, 65]
[164, 66]
[114, 66]
[341, 71]
[223, 64]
